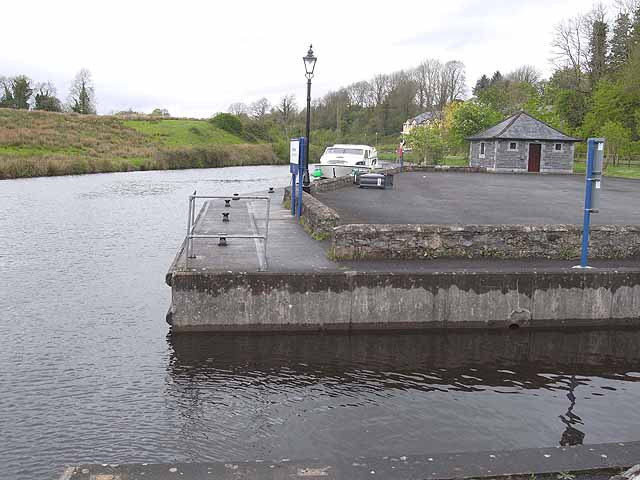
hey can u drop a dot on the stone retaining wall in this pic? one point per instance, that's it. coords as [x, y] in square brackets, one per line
[318, 219]
[472, 241]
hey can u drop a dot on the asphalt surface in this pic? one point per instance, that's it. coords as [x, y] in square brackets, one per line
[485, 199]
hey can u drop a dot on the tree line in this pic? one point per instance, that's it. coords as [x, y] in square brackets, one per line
[360, 111]
[594, 90]
[21, 92]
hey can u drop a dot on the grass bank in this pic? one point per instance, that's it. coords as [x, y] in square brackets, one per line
[46, 144]
[623, 171]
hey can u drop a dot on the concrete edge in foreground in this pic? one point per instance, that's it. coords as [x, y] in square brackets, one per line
[604, 459]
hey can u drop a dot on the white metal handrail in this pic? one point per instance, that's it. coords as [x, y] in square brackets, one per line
[191, 223]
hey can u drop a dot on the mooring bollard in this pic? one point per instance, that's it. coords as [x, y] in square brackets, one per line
[222, 242]
[225, 216]
[271, 190]
[227, 203]
[236, 196]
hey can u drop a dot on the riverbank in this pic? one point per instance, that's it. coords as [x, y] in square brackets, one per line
[38, 144]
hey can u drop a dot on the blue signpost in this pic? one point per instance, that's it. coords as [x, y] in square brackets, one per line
[297, 163]
[595, 160]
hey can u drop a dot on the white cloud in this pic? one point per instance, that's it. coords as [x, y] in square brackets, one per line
[196, 57]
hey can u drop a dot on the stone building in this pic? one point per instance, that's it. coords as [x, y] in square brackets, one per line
[522, 143]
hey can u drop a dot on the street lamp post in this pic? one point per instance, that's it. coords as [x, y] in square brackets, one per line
[309, 66]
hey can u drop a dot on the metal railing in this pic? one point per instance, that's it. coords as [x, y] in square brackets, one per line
[222, 236]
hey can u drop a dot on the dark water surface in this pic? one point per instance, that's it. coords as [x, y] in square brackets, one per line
[88, 373]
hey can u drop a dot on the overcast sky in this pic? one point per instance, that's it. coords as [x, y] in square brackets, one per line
[196, 57]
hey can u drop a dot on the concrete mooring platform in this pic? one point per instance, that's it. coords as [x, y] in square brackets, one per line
[226, 288]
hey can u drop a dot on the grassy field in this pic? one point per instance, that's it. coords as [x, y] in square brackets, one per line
[43, 144]
[632, 171]
[181, 133]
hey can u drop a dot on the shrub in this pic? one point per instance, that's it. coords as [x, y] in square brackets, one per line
[217, 156]
[229, 123]
[255, 131]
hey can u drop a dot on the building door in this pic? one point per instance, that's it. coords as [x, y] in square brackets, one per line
[535, 149]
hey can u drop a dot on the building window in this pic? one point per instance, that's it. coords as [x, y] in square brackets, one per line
[482, 148]
[557, 147]
[513, 146]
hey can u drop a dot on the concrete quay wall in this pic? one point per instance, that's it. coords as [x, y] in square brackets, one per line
[259, 301]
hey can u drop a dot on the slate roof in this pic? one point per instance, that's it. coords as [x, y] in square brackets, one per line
[425, 117]
[523, 126]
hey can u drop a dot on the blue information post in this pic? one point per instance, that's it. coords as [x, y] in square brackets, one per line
[595, 160]
[297, 169]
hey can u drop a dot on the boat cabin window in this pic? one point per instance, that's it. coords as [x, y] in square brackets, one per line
[366, 154]
[346, 151]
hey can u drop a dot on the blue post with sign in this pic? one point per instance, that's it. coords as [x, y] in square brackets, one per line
[595, 160]
[297, 168]
[303, 168]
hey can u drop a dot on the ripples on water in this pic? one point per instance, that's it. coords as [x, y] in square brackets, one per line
[88, 373]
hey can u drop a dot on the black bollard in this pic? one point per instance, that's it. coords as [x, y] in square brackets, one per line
[236, 196]
[222, 242]
[225, 216]
[227, 203]
[271, 190]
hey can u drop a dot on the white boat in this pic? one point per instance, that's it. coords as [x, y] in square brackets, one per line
[340, 160]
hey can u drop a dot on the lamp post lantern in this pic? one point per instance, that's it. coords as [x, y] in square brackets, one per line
[309, 66]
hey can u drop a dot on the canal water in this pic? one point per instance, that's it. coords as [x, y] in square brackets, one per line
[88, 372]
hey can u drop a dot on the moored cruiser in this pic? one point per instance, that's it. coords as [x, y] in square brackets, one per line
[340, 160]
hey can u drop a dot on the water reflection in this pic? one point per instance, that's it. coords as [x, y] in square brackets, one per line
[383, 375]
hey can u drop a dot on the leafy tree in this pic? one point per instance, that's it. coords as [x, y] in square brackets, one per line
[481, 85]
[228, 122]
[428, 144]
[82, 93]
[22, 92]
[610, 102]
[598, 49]
[496, 78]
[160, 112]
[567, 98]
[620, 42]
[618, 140]
[6, 93]
[470, 118]
[509, 96]
[634, 36]
[46, 98]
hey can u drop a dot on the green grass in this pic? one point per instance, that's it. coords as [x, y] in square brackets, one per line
[182, 133]
[622, 171]
[36, 143]
[456, 161]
